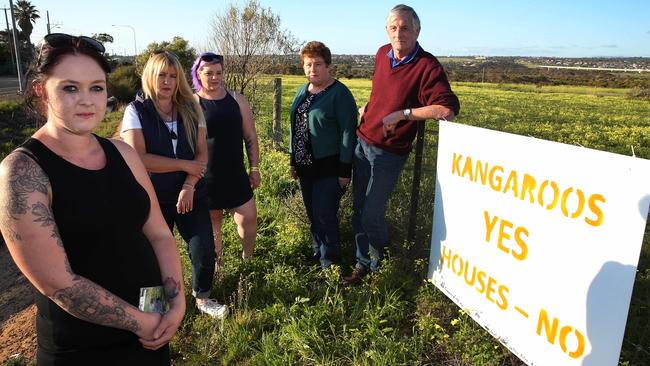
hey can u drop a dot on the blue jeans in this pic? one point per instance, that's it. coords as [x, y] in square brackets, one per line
[322, 197]
[375, 175]
[195, 228]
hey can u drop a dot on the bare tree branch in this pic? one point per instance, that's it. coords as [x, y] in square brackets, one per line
[250, 38]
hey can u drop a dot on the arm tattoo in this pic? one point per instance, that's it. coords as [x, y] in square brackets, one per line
[249, 149]
[171, 288]
[25, 177]
[84, 300]
[249, 144]
[44, 215]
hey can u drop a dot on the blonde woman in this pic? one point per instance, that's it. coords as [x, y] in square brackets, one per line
[166, 127]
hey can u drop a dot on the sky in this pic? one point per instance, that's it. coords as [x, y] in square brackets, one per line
[553, 28]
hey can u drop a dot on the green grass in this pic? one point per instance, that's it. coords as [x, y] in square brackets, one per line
[397, 318]
[286, 313]
[14, 128]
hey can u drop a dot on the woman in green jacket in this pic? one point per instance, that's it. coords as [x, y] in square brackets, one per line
[323, 123]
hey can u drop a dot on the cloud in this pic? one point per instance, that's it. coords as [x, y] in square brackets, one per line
[609, 46]
[648, 32]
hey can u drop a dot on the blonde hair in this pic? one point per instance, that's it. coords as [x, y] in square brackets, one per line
[182, 98]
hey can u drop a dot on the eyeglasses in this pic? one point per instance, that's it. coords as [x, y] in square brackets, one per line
[210, 57]
[56, 40]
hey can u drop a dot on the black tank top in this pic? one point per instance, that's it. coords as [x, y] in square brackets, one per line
[99, 214]
[225, 136]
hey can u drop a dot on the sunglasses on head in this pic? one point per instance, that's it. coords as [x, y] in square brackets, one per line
[163, 52]
[56, 40]
[210, 57]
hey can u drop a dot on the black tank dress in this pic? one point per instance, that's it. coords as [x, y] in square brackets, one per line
[99, 214]
[226, 176]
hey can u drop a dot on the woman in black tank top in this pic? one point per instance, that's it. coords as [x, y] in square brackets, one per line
[230, 125]
[81, 220]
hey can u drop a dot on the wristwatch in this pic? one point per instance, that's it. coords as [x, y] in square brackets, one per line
[407, 113]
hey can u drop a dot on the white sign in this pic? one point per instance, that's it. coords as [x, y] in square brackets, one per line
[539, 241]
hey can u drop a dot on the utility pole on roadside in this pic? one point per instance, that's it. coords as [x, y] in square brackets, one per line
[19, 67]
[49, 25]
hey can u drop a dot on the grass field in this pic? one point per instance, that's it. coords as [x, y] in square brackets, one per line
[286, 313]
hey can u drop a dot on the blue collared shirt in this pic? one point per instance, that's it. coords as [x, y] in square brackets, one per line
[394, 63]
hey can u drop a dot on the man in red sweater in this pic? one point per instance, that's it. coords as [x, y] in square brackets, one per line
[408, 85]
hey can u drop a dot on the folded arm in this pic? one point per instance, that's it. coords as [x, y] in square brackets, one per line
[32, 237]
[164, 247]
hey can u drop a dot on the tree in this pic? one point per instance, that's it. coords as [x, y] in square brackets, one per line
[25, 47]
[6, 52]
[250, 38]
[26, 14]
[124, 83]
[103, 37]
[179, 46]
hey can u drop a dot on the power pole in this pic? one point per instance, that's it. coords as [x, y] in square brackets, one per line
[19, 67]
[48, 21]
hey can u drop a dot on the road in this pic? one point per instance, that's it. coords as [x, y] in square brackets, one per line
[592, 68]
[8, 85]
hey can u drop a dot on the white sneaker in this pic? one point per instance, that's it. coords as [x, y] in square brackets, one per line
[212, 307]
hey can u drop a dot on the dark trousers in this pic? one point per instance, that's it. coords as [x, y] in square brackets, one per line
[195, 228]
[322, 197]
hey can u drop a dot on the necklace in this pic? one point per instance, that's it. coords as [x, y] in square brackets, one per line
[172, 133]
[169, 124]
[167, 114]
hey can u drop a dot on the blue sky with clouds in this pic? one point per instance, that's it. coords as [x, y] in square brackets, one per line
[569, 28]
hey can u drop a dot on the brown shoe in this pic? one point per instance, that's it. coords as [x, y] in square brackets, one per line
[355, 278]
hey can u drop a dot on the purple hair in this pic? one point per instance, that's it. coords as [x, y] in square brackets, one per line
[206, 58]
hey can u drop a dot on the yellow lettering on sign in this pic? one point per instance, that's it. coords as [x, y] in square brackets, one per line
[551, 329]
[483, 283]
[505, 228]
[595, 209]
[548, 194]
[455, 164]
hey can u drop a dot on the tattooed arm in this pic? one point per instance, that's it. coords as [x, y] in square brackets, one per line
[250, 139]
[164, 246]
[28, 226]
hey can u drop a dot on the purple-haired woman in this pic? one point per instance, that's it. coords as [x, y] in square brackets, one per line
[230, 123]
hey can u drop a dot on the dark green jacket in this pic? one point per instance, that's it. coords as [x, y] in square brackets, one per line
[332, 123]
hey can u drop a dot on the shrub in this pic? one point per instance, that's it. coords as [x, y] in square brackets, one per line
[641, 92]
[124, 83]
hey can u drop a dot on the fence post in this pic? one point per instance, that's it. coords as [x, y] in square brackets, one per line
[415, 188]
[277, 112]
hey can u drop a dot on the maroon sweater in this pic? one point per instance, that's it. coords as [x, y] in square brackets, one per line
[421, 82]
